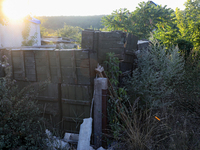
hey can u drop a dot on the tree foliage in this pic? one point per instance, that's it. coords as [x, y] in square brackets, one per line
[183, 30]
[139, 22]
[57, 22]
[70, 32]
[188, 22]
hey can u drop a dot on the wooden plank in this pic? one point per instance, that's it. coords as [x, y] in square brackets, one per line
[93, 64]
[76, 102]
[1, 59]
[65, 62]
[81, 54]
[86, 93]
[65, 91]
[74, 73]
[11, 63]
[29, 54]
[79, 92]
[66, 54]
[84, 63]
[48, 65]
[71, 119]
[72, 92]
[31, 77]
[16, 53]
[45, 98]
[68, 79]
[83, 80]
[41, 70]
[30, 66]
[66, 108]
[87, 39]
[40, 54]
[83, 72]
[86, 111]
[40, 61]
[58, 67]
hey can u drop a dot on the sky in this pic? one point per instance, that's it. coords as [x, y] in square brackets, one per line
[79, 7]
[92, 7]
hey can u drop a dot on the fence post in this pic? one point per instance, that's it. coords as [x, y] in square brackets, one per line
[99, 85]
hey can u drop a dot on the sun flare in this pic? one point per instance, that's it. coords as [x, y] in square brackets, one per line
[15, 9]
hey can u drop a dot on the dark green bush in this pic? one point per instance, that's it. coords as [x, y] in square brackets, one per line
[21, 121]
[156, 77]
[164, 85]
[184, 46]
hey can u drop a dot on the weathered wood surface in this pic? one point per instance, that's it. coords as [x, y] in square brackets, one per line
[71, 73]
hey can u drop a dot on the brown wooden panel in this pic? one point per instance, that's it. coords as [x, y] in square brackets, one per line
[68, 80]
[65, 91]
[41, 70]
[65, 62]
[75, 102]
[29, 54]
[84, 63]
[86, 93]
[72, 92]
[47, 65]
[40, 61]
[30, 70]
[86, 111]
[1, 59]
[79, 92]
[87, 39]
[83, 80]
[30, 77]
[66, 54]
[66, 109]
[19, 76]
[66, 71]
[81, 54]
[83, 72]
[16, 54]
[40, 54]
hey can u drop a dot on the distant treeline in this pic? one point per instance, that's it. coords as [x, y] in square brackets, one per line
[57, 22]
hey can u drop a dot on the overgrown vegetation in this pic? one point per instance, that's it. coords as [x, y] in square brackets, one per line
[159, 107]
[21, 125]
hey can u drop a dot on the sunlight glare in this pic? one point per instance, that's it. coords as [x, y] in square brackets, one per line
[15, 9]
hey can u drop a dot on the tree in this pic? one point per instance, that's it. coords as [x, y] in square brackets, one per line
[139, 22]
[70, 32]
[188, 22]
[183, 30]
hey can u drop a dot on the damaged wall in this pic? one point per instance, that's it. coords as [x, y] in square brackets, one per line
[71, 73]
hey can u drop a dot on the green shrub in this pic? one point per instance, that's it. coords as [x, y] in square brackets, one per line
[163, 85]
[156, 77]
[184, 46]
[21, 121]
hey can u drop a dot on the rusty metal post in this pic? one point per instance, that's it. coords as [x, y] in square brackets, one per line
[104, 116]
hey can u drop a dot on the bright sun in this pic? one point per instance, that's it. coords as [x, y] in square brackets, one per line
[16, 9]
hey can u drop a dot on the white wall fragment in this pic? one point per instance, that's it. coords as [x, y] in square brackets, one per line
[85, 134]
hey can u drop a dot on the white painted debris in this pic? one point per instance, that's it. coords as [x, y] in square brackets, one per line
[85, 134]
[71, 137]
[91, 148]
[55, 143]
[101, 148]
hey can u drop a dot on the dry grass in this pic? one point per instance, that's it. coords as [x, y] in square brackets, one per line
[176, 129]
